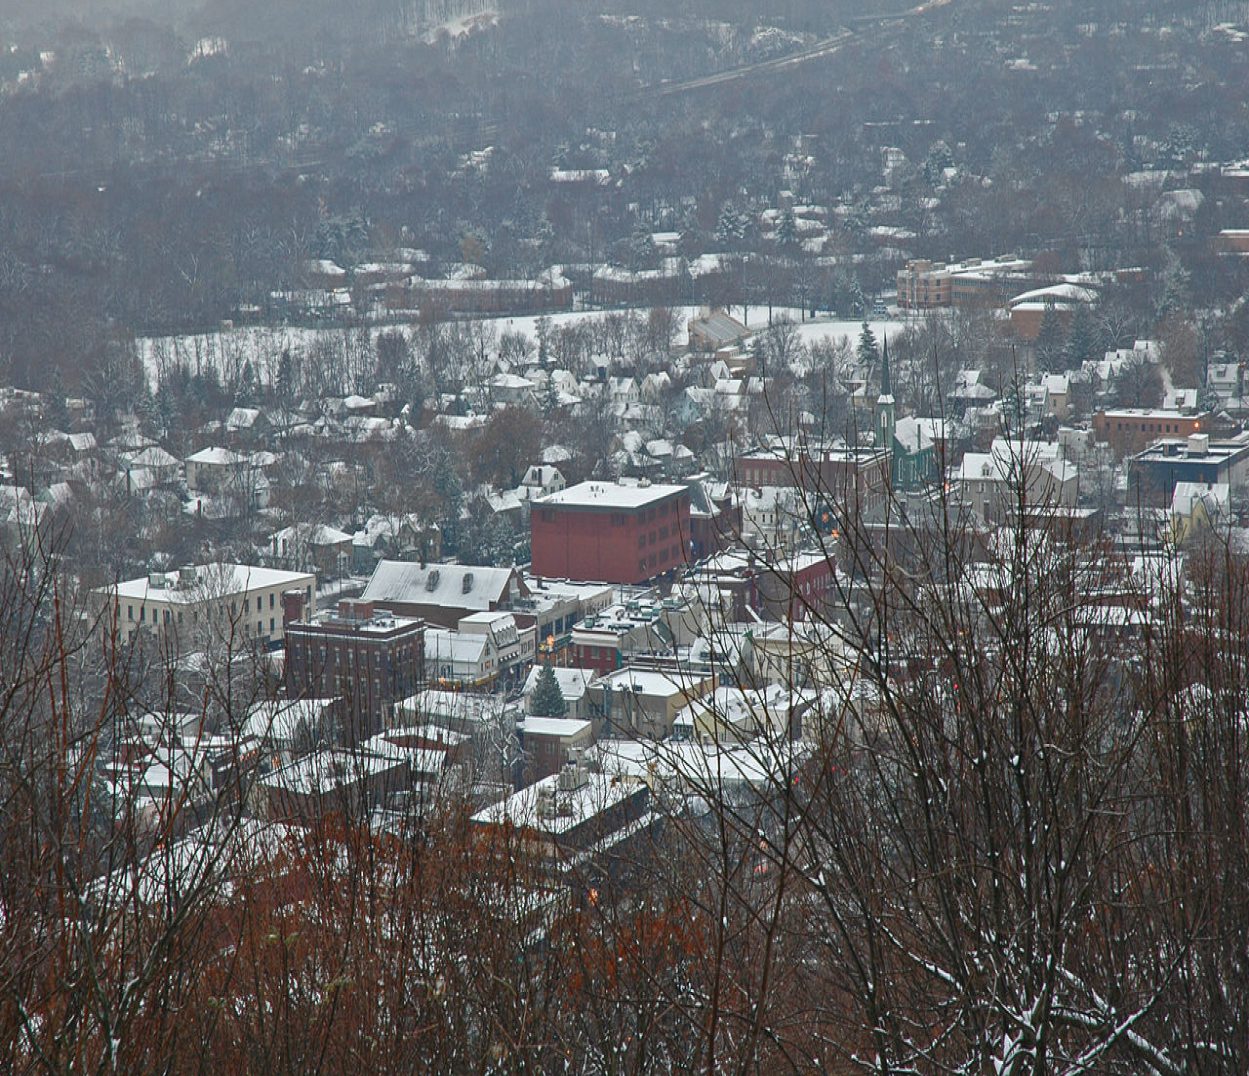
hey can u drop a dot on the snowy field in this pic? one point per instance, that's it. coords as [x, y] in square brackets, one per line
[228, 350]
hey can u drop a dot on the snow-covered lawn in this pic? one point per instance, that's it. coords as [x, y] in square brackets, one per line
[262, 345]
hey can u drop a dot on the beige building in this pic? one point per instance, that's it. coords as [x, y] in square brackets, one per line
[636, 702]
[928, 285]
[239, 598]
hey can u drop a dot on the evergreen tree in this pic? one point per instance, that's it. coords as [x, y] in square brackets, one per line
[56, 413]
[245, 390]
[868, 352]
[1050, 341]
[730, 229]
[1084, 340]
[284, 384]
[641, 247]
[787, 229]
[760, 356]
[547, 699]
[550, 395]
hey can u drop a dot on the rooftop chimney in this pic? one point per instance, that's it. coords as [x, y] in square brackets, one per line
[292, 607]
[353, 609]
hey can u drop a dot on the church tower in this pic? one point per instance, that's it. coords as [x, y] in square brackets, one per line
[884, 405]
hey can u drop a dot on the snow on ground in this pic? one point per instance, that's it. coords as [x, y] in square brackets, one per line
[824, 328]
[461, 26]
[529, 325]
[227, 350]
[262, 345]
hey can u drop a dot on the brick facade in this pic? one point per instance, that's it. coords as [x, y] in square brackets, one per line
[595, 534]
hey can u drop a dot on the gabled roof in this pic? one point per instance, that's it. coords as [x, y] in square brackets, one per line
[221, 457]
[572, 681]
[454, 586]
[242, 418]
[310, 534]
[719, 327]
[152, 456]
[1216, 497]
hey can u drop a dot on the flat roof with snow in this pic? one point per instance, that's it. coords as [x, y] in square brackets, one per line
[211, 581]
[606, 496]
[563, 727]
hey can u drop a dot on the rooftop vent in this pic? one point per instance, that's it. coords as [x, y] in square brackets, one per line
[431, 580]
[466, 584]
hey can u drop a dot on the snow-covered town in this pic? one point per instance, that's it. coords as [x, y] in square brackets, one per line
[496, 580]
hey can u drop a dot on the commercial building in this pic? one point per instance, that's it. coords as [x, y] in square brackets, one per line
[988, 483]
[369, 659]
[1156, 472]
[635, 702]
[611, 637]
[929, 285]
[549, 742]
[610, 531]
[782, 588]
[194, 603]
[330, 781]
[1132, 429]
[855, 480]
[485, 650]
[442, 593]
[579, 822]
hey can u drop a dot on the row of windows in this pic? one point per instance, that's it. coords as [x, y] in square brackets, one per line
[598, 652]
[1149, 427]
[651, 539]
[666, 556]
[167, 618]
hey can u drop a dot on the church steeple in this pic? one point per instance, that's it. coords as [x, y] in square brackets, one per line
[886, 387]
[884, 404]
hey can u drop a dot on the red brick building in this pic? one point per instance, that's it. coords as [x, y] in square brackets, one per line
[609, 532]
[778, 589]
[370, 660]
[855, 478]
[1133, 429]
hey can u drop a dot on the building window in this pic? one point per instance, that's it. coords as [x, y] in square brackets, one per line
[129, 612]
[270, 601]
[142, 614]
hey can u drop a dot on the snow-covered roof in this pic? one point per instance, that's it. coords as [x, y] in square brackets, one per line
[211, 581]
[608, 495]
[152, 456]
[572, 681]
[1057, 293]
[598, 794]
[1215, 495]
[220, 457]
[311, 534]
[282, 720]
[456, 586]
[563, 727]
